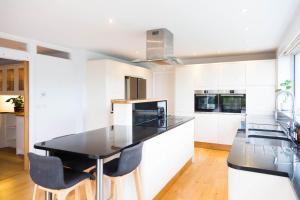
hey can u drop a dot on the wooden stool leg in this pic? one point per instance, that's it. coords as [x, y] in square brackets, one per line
[138, 185]
[61, 195]
[112, 189]
[119, 189]
[77, 193]
[34, 192]
[88, 190]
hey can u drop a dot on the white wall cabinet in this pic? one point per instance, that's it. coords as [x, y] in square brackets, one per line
[260, 73]
[232, 76]
[206, 76]
[216, 127]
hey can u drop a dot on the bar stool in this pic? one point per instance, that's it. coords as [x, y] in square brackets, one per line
[48, 174]
[118, 168]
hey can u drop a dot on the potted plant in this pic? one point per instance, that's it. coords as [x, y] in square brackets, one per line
[285, 86]
[18, 103]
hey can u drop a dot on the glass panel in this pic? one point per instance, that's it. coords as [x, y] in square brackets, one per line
[21, 79]
[10, 80]
[52, 52]
[297, 80]
[11, 44]
[1, 80]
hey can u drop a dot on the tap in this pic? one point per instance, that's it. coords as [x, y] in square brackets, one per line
[291, 125]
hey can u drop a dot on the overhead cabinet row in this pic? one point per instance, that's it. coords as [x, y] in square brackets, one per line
[233, 75]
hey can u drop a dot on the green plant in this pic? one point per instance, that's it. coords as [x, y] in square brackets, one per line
[18, 101]
[287, 85]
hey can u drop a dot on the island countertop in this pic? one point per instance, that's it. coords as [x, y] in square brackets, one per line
[131, 101]
[105, 142]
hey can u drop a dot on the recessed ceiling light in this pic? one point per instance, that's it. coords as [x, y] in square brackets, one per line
[137, 52]
[247, 29]
[110, 20]
[244, 10]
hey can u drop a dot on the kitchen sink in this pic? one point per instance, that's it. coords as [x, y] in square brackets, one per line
[265, 127]
[266, 134]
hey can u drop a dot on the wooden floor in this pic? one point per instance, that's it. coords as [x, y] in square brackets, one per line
[10, 163]
[205, 179]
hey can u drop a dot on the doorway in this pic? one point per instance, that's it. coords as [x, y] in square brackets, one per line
[14, 118]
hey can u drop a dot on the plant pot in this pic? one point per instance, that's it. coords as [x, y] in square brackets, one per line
[19, 109]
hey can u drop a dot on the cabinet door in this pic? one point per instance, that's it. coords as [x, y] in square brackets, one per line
[260, 73]
[1, 80]
[228, 126]
[10, 80]
[232, 75]
[206, 76]
[184, 93]
[260, 100]
[20, 79]
[206, 128]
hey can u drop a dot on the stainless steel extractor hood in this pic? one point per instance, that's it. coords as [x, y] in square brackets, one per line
[159, 48]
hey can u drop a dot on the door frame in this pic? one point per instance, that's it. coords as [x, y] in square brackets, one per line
[26, 114]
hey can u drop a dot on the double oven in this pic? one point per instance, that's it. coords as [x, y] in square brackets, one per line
[227, 101]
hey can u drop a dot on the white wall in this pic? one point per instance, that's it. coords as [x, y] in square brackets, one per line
[164, 88]
[56, 89]
[105, 80]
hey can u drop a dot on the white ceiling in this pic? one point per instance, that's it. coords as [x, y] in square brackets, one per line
[117, 27]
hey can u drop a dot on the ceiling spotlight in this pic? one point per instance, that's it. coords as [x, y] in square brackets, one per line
[110, 20]
[244, 10]
[247, 29]
[137, 52]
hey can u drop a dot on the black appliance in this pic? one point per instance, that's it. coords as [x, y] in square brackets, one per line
[232, 101]
[206, 101]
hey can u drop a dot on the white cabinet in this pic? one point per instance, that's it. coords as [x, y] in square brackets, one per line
[7, 130]
[228, 126]
[216, 127]
[19, 135]
[232, 75]
[260, 73]
[206, 76]
[206, 127]
[184, 93]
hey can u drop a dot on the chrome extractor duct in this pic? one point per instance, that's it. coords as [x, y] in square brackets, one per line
[159, 48]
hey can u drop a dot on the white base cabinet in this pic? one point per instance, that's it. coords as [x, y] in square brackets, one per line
[219, 128]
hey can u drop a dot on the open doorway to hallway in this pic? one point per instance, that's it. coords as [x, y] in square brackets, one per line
[13, 117]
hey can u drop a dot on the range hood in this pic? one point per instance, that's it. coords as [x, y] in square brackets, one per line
[159, 48]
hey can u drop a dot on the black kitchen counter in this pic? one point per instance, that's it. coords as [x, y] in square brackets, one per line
[105, 142]
[265, 155]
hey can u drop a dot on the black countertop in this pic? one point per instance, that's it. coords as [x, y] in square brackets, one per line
[265, 155]
[105, 142]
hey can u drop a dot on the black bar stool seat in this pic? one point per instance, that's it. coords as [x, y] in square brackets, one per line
[48, 174]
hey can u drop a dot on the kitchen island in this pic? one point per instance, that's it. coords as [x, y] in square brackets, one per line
[263, 163]
[168, 147]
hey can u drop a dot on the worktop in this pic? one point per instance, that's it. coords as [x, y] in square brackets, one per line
[276, 157]
[129, 101]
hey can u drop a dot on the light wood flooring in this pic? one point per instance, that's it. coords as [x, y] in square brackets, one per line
[205, 179]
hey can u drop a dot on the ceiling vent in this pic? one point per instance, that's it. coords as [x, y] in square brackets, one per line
[159, 48]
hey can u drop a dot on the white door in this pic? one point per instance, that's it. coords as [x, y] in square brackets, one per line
[206, 127]
[228, 126]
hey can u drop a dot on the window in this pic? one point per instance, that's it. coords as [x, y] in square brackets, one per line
[11, 44]
[52, 52]
[297, 80]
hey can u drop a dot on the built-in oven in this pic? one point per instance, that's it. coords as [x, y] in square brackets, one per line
[206, 101]
[232, 101]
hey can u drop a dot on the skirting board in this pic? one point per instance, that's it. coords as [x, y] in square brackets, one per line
[173, 180]
[222, 147]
